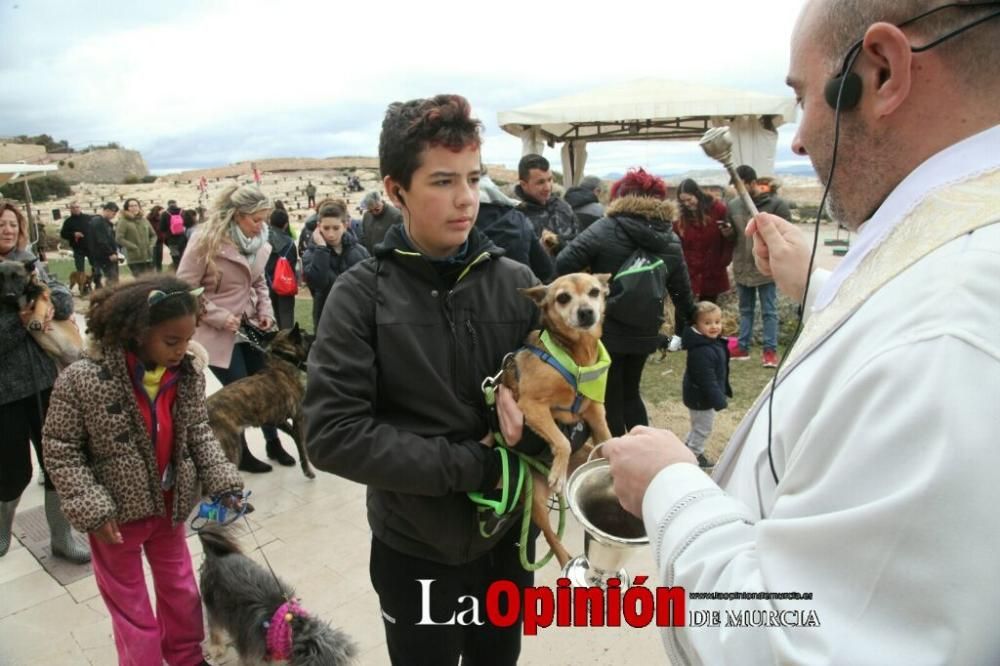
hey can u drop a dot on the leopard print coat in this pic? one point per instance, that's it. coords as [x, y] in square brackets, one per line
[99, 455]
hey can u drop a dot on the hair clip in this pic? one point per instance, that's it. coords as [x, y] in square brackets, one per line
[157, 296]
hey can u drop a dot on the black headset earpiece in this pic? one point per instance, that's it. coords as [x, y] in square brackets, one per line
[844, 91]
[399, 195]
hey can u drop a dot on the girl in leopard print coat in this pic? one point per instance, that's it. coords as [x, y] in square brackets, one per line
[129, 449]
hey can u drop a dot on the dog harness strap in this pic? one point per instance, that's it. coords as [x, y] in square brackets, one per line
[589, 381]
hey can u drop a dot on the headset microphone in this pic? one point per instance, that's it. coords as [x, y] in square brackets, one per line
[843, 92]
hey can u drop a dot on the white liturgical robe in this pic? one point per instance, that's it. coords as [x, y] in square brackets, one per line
[885, 439]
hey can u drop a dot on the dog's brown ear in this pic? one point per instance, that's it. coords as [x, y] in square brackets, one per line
[537, 294]
[605, 278]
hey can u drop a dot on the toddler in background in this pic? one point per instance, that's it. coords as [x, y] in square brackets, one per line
[706, 377]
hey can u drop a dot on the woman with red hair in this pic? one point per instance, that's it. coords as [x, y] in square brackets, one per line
[638, 217]
[707, 240]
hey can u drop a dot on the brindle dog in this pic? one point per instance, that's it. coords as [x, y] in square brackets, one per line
[273, 395]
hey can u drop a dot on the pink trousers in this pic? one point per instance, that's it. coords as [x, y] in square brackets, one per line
[175, 632]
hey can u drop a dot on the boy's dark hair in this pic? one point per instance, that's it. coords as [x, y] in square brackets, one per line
[119, 315]
[190, 216]
[331, 208]
[529, 162]
[279, 218]
[746, 173]
[411, 127]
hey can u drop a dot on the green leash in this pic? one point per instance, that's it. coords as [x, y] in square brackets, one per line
[493, 513]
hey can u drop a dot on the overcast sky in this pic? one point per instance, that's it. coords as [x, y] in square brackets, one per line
[202, 83]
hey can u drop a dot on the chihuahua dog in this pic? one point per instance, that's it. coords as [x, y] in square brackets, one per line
[82, 280]
[550, 241]
[572, 309]
[21, 289]
[259, 612]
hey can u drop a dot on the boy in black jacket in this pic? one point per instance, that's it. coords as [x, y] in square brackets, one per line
[394, 399]
[706, 377]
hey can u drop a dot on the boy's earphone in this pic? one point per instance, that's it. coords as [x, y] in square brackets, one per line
[843, 93]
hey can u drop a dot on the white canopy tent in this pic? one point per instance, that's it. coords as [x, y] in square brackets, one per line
[650, 109]
[10, 172]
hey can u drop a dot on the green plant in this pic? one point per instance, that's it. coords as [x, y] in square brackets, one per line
[149, 179]
[131, 180]
[42, 188]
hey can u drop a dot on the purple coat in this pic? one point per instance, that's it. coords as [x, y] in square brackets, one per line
[235, 288]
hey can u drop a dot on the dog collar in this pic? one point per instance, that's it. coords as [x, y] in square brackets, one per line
[301, 365]
[590, 381]
[279, 630]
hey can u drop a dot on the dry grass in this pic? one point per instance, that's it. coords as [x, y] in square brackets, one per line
[661, 389]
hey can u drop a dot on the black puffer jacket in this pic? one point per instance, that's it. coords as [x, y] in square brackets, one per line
[706, 377]
[321, 267]
[393, 398]
[101, 243]
[511, 229]
[73, 224]
[585, 206]
[605, 246]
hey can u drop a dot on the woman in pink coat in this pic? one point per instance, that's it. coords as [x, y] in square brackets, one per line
[227, 256]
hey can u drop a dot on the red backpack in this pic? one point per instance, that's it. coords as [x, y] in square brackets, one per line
[284, 283]
[176, 224]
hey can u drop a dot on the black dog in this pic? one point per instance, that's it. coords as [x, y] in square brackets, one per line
[20, 289]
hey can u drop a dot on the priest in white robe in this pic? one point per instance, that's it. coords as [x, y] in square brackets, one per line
[873, 484]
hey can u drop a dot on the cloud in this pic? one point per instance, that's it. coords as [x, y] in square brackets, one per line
[195, 84]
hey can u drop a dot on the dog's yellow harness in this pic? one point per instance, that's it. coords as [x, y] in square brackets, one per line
[589, 381]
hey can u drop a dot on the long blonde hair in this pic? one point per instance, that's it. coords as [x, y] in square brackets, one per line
[243, 199]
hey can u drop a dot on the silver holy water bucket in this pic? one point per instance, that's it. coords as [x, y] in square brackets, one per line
[610, 532]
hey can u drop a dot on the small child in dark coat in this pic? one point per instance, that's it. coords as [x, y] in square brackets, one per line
[706, 377]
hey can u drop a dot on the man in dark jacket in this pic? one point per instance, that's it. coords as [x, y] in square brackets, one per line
[751, 283]
[379, 218]
[102, 246]
[511, 229]
[546, 211]
[583, 198]
[74, 232]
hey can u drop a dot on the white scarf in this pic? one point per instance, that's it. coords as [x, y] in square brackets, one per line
[247, 245]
